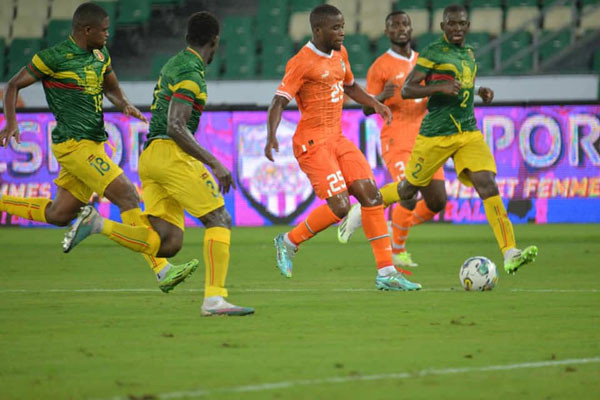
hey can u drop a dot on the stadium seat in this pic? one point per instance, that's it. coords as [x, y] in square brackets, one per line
[37, 9]
[274, 57]
[372, 17]
[240, 68]
[6, 17]
[419, 18]
[57, 31]
[272, 19]
[478, 40]
[347, 7]
[485, 3]
[64, 9]
[558, 17]
[21, 52]
[156, 64]
[133, 12]
[517, 16]
[27, 27]
[441, 4]
[555, 45]
[299, 26]
[487, 19]
[304, 5]
[237, 28]
[213, 70]
[381, 46]
[427, 38]
[590, 18]
[512, 46]
[358, 53]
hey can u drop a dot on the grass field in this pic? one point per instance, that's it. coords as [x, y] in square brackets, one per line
[93, 325]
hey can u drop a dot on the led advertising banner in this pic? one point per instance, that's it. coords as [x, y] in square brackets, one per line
[548, 160]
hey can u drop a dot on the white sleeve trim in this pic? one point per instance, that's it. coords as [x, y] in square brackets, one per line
[284, 94]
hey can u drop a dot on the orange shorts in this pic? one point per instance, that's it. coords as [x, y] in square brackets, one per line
[396, 160]
[332, 166]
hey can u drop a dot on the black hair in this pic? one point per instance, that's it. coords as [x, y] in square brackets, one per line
[320, 13]
[398, 12]
[454, 8]
[88, 14]
[202, 28]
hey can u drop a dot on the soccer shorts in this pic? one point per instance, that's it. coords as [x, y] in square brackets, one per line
[85, 168]
[332, 165]
[396, 160]
[174, 181]
[468, 149]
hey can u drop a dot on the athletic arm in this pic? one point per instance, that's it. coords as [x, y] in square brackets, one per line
[359, 95]
[178, 117]
[388, 91]
[115, 95]
[273, 119]
[413, 89]
[20, 80]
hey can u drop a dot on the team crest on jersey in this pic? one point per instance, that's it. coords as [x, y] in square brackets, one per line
[98, 54]
[343, 65]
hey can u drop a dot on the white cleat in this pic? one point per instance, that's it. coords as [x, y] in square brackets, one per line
[218, 306]
[349, 224]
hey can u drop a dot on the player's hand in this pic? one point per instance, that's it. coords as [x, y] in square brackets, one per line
[389, 89]
[486, 94]
[9, 131]
[224, 177]
[272, 144]
[384, 111]
[131, 110]
[451, 88]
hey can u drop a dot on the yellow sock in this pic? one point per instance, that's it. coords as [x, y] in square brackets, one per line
[216, 260]
[141, 239]
[498, 220]
[390, 194]
[32, 208]
[136, 218]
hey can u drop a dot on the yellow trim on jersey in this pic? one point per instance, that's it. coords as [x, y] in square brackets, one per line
[189, 85]
[456, 123]
[448, 67]
[195, 53]
[423, 62]
[39, 64]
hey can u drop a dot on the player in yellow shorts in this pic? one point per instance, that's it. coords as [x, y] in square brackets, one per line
[448, 69]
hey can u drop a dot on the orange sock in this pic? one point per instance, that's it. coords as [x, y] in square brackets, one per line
[421, 213]
[319, 219]
[375, 227]
[401, 223]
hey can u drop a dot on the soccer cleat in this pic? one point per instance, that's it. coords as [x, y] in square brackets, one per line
[83, 227]
[520, 258]
[220, 307]
[177, 274]
[285, 254]
[403, 260]
[349, 224]
[395, 282]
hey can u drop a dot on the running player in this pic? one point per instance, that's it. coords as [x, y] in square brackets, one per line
[317, 76]
[172, 169]
[385, 79]
[76, 74]
[450, 130]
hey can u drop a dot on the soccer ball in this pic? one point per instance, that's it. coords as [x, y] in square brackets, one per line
[478, 273]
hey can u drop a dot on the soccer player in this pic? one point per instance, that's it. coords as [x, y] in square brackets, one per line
[384, 79]
[172, 169]
[76, 74]
[448, 68]
[318, 76]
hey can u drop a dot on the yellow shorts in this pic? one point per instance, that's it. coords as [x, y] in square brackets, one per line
[85, 168]
[174, 181]
[468, 149]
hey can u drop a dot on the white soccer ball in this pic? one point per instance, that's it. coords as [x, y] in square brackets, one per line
[478, 273]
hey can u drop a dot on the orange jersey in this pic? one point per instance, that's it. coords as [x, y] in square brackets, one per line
[317, 80]
[407, 113]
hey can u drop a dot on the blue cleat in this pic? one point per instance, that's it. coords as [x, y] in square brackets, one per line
[395, 282]
[87, 222]
[285, 254]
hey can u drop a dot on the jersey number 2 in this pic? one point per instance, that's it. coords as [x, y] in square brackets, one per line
[466, 95]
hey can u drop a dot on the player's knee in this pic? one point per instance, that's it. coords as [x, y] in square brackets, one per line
[169, 247]
[406, 191]
[487, 189]
[219, 217]
[340, 207]
[436, 204]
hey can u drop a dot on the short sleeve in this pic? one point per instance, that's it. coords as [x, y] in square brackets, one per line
[293, 79]
[349, 76]
[108, 66]
[189, 89]
[375, 83]
[41, 65]
[426, 60]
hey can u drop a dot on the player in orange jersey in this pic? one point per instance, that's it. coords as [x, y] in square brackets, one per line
[318, 76]
[385, 79]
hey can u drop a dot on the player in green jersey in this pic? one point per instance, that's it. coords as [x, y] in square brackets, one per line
[172, 169]
[448, 69]
[75, 74]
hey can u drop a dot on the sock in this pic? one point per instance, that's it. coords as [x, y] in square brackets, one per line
[375, 227]
[498, 220]
[390, 194]
[136, 218]
[31, 208]
[401, 223]
[216, 260]
[160, 275]
[319, 219]
[421, 213]
[141, 239]
[385, 271]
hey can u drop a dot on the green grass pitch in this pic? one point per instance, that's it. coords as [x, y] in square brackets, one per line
[93, 325]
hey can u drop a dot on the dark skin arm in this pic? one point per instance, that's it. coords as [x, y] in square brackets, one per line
[388, 91]
[274, 118]
[113, 92]
[413, 89]
[178, 117]
[358, 94]
[20, 80]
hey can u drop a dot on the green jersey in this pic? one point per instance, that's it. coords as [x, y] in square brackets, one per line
[72, 78]
[443, 61]
[181, 80]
